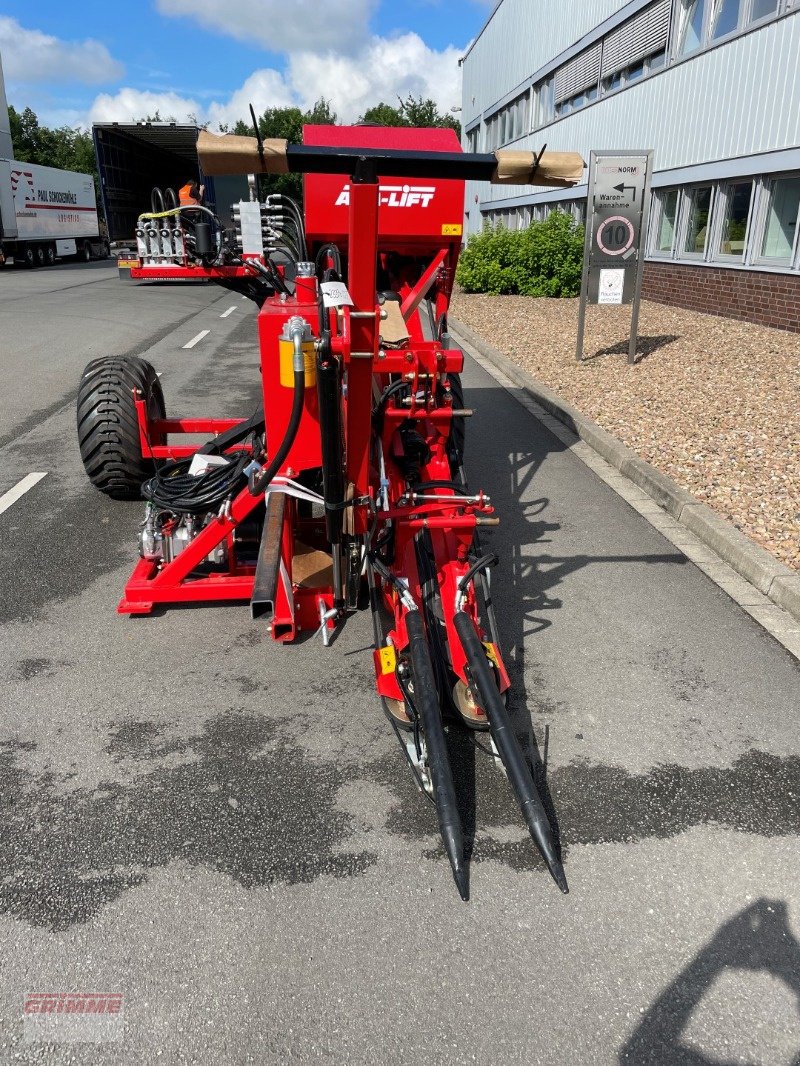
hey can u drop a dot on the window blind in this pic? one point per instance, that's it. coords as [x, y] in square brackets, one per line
[639, 37]
[578, 74]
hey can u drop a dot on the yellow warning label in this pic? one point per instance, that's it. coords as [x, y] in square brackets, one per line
[452, 229]
[491, 653]
[287, 363]
[127, 263]
[388, 659]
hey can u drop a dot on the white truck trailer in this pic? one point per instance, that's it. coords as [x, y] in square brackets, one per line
[47, 214]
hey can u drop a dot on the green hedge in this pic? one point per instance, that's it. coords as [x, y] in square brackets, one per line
[546, 259]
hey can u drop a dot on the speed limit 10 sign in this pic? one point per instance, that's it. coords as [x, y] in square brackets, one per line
[615, 236]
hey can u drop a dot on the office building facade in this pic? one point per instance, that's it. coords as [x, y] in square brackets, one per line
[712, 86]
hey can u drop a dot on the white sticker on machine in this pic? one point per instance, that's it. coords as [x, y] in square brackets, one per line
[612, 283]
[335, 294]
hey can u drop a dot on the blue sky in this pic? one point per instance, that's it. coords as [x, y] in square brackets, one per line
[75, 63]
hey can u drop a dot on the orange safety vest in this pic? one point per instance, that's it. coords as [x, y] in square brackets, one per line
[185, 197]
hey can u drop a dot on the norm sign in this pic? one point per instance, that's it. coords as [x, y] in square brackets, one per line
[617, 202]
[617, 199]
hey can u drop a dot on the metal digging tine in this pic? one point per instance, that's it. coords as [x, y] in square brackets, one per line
[519, 773]
[444, 793]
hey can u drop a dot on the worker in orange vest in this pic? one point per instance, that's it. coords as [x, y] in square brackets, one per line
[190, 194]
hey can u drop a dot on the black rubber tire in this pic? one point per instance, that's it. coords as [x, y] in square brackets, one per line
[458, 428]
[85, 253]
[40, 256]
[49, 255]
[28, 257]
[108, 429]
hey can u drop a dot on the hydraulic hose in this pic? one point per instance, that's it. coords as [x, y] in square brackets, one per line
[261, 480]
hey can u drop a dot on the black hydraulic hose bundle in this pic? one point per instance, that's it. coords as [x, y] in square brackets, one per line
[174, 489]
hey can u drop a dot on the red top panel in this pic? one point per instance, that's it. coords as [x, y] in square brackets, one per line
[428, 213]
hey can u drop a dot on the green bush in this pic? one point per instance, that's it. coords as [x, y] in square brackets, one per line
[546, 259]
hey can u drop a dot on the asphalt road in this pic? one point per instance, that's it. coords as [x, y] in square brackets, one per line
[224, 830]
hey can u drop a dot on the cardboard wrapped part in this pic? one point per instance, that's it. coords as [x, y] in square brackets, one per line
[229, 154]
[558, 170]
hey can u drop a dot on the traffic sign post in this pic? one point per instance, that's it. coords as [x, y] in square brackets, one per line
[616, 228]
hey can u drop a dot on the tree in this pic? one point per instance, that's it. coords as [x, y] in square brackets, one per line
[413, 111]
[384, 115]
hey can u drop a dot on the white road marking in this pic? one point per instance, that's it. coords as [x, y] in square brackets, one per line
[228, 312]
[19, 489]
[199, 337]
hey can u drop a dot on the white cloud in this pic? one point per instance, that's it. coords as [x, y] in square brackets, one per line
[264, 88]
[33, 56]
[383, 69]
[130, 105]
[278, 25]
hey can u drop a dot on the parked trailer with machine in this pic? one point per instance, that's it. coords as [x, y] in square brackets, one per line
[141, 167]
[47, 214]
[347, 485]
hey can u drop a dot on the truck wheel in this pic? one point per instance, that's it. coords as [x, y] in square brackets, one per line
[85, 253]
[49, 255]
[39, 253]
[28, 257]
[108, 429]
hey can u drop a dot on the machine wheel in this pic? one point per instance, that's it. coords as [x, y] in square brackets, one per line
[40, 256]
[108, 429]
[28, 257]
[50, 255]
[455, 442]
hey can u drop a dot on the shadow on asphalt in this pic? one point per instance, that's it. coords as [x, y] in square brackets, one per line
[758, 939]
[533, 576]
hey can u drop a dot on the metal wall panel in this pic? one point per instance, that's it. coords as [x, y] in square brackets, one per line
[522, 36]
[735, 100]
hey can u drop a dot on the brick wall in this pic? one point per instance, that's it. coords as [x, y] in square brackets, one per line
[752, 295]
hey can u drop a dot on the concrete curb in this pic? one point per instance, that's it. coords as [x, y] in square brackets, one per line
[755, 564]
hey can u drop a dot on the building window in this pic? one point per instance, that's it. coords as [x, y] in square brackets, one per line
[780, 231]
[699, 209]
[733, 234]
[544, 95]
[702, 22]
[763, 9]
[726, 17]
[667, 219]
[509, 123]
[613, 82]
[746, 222]
[472, 139]
[693, 13]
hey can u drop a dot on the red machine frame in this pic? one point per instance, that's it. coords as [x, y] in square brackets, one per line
[395, 410]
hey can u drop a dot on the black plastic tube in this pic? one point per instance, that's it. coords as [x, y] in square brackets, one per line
[519, 773]
[426, 702]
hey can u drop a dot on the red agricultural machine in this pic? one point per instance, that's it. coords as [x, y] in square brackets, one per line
[347, 487]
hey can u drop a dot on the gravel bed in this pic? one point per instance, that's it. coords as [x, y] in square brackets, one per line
[713, 402]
